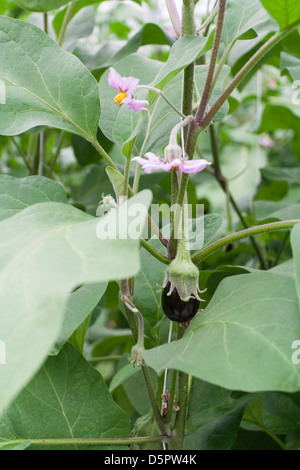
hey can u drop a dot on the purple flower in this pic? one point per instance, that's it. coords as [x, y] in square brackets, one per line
[126, 86]
[156, 163]
[266, 142]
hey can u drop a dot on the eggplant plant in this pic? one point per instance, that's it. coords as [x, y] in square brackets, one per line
[149, 225]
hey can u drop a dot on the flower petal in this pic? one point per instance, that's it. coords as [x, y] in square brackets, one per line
[136, 105]
[130, 84]
[152, 157]
[115, 79]
[193, 166]
[153, 163]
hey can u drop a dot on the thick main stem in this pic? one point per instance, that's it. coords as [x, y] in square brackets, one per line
[214, 56]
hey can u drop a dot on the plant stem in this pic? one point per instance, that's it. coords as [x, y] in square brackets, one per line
[209, 19]
[257, 230]
[179, 427]
[57, 152]
[160, 93]
[22, 153]
[280, 251]
[244, 71]
[188, 28]
[66, 21]
[210, 75]
[95, 442]
[126, 177]
[224, 185]
[151, 393]
[95, 360]
[141, 154]
[45, 17]
[154, 252]
[172, 396]
[174, 17]
[156, 413]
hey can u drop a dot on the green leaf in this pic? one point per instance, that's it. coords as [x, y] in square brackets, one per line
[276, 210]
[213, 417]
[66, 399]
[291, 64]
[241, 17]
[15, 444]
[18, 193]
[150, 33]
[81, 26]
[117, 181]
[250, 317]
[78, 5]
[80, 304]
[291, 175]
[285, 12]
[122, 375]
[40, 5]
[46, 251]
[183, 52]
[89, 193]
[276, 412]
[44, 84]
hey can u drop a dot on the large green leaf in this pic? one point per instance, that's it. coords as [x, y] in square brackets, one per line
[46, 251]
[278, 412]
[18, 193]
[40, 5]
[66, 399]
[241, 16]
[285, 12]
[44, 84]
[243, 339]
[214, 417]
[80, 304]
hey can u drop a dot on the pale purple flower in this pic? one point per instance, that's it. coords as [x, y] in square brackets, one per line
[266, 142]
[185, 166]
[126, 86]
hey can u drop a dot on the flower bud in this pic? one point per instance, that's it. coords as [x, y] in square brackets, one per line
[173, 152]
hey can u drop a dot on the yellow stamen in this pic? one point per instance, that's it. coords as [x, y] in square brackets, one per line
[119, 98]
[175, 168]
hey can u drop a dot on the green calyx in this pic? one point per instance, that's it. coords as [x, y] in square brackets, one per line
[183, 274]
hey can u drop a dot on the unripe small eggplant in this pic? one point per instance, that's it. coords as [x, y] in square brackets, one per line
[175, 308]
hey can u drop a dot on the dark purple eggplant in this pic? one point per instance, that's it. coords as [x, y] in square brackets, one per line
[175, 308]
